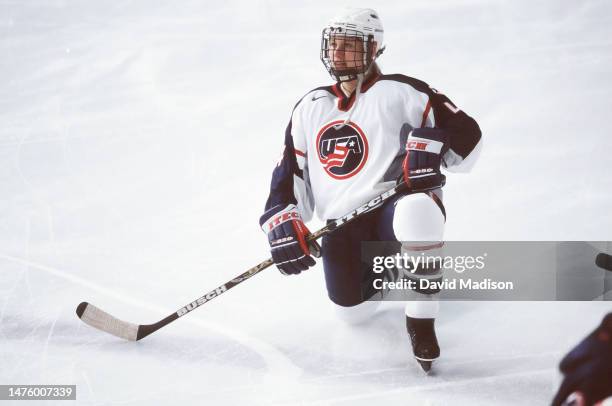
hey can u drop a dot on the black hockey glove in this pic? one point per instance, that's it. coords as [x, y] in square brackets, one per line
[424, 150]
[588, 369]
[287, 237]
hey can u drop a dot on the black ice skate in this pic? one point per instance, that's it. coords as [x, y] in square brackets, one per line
[424, 341]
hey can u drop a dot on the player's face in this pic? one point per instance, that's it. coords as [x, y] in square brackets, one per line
[346, 52]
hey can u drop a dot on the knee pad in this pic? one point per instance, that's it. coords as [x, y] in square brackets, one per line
[357, 314]
[417, 217]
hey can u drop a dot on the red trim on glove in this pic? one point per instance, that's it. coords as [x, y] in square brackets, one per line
[405, 167]
[301, 231]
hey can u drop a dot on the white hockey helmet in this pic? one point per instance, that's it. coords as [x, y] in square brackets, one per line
[361, 23]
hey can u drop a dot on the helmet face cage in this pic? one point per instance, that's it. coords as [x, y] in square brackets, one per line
[334, 39]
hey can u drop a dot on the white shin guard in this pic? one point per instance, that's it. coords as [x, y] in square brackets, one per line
[419, 223]
[424, 308]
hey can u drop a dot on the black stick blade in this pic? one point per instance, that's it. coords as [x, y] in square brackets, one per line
[604, 261]
[103, 321]
[81, 309]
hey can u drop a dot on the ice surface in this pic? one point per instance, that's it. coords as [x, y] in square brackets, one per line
[136, 143]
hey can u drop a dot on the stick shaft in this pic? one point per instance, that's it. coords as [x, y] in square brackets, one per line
[145, 330]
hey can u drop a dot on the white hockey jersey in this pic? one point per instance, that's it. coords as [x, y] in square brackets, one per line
[334, 168]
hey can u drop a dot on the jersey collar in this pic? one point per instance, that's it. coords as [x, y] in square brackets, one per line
[345, 103]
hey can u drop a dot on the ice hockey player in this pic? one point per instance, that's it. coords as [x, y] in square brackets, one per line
[351, 141]
[588, 369]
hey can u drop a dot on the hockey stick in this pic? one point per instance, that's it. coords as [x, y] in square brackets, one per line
[101, 320]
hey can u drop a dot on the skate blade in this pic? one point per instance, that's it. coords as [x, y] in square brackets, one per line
[425, 363]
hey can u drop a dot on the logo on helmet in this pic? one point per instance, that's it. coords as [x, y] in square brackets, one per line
[342, 151]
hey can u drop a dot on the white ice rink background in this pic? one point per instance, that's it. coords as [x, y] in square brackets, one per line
[137, 139]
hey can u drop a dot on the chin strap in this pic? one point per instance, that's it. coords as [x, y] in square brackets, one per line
[360, 78]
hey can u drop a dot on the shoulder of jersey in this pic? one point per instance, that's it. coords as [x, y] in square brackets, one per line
[326, 92]
[314, 95]
[413, 82]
